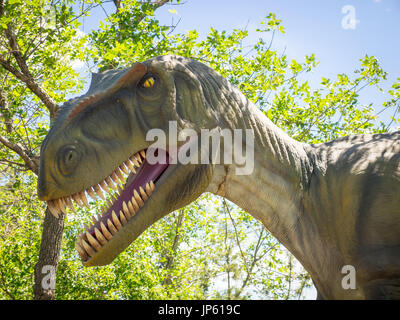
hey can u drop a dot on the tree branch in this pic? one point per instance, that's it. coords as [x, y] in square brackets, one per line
[13, 162]
[22, 152]
[117, 4]
[175, 243]
[236, 234]
[253, 263]
[157, 4]
[5, 112]
[24, 74]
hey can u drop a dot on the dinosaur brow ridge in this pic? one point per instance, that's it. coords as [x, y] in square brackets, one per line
[132, 75]
[82, 106]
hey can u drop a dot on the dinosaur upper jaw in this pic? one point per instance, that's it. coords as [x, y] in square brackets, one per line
[122, 203]
[153, 209]
[123, 206]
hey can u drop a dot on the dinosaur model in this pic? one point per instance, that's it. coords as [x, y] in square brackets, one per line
[331, 205]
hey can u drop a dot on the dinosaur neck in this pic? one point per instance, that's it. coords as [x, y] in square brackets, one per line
[273, 191]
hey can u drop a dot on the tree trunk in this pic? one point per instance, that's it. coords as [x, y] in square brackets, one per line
[46, 267]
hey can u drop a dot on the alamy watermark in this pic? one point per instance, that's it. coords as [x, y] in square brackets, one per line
[349, 20]
[216, 146]
[49, 278]
[349, 280]
[48, 20]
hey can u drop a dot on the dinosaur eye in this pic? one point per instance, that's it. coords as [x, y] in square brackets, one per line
[68, 159]
[148, 82]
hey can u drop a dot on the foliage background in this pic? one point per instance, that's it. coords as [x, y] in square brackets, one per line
[209, 249]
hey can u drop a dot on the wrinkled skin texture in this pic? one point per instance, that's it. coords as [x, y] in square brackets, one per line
[331, 205]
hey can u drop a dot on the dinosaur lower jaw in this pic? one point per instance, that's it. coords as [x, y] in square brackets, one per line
[122, 204]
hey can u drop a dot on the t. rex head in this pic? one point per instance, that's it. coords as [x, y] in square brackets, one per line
[98, 144]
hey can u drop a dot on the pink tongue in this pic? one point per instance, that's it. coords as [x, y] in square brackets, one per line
[146, 173]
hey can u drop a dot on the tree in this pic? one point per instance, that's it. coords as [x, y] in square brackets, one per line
[36, 76]
[186, 254]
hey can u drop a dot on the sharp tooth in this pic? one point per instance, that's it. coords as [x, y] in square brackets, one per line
[105, 231]
[104, 186]
[92, 240]
[69, 204]
[100, 236]
[138, 198]
[120, 174]
[135, 204]
[109, 203]
[115, 195]
[61, 205]
[53, 208]
[90, 251]
[84, 199]
[125, 208]
[91, 193]
[77, 199]
[124, 169]
[82, 235]
[132, 210]
[116, 179]
[148, 189]
[135, 162]
[110, 183]
[143, 194]
[116, 221]
[81, 251]
[152, 186]
[97, 189]
[143, 154]
[112, 228]
[120, 189]
[130, 165]
[94, 219]
[122, 217]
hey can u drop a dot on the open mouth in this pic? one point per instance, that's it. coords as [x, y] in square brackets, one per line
[129, 186]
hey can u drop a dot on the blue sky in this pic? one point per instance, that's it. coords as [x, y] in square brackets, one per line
[311, 26]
